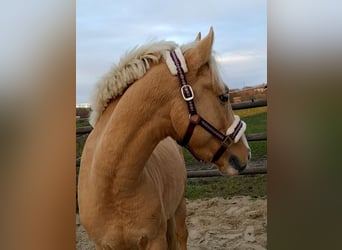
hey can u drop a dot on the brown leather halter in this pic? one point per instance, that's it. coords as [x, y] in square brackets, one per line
[195, 119]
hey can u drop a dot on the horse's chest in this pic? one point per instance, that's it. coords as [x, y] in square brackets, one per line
[130, 224]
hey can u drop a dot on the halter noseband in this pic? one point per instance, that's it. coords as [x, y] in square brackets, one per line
[233, 133]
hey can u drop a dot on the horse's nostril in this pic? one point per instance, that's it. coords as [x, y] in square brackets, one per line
[234, 161]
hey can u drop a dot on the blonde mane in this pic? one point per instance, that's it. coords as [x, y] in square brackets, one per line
[132, 66]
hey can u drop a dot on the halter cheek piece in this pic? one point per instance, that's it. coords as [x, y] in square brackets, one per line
[176, 63]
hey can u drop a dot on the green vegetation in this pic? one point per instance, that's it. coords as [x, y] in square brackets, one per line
[226, 187]
[80, 140]
[243, 113]
[256, 120]
[82, 123]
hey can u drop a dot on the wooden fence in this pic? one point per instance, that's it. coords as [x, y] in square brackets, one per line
[211, 173]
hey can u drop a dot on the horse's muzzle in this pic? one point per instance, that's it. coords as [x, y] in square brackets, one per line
[234, 161]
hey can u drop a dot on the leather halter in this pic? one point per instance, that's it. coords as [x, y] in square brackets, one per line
[234, 132]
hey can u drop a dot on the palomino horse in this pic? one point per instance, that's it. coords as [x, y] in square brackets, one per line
[132, 176]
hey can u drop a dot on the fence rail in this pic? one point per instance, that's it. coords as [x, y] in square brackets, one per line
[212, 173]
[83, 130]
[247, 105]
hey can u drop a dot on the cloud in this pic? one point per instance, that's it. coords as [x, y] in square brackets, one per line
[237, 57]
[243, 68]
[105, 30]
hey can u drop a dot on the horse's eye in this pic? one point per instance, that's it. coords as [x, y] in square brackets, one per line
[224, 97]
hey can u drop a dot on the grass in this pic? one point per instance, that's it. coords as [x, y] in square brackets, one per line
[256, 120]
[243, 113]
[80, 140]
[227, 187]
[82, 123]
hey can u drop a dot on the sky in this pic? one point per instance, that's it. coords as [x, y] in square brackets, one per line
[106, 29]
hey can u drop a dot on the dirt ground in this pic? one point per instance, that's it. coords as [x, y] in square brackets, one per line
[239, 223]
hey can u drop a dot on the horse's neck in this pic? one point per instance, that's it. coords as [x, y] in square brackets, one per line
[131, 128]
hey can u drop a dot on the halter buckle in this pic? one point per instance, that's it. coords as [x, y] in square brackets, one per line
[228, 138]
[187, 92]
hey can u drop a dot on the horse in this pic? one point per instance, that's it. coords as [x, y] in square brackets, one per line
[132, 173]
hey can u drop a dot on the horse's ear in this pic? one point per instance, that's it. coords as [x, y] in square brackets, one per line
[198, 37]
[200, 54]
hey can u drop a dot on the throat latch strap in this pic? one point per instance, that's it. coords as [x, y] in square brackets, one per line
[193, 122]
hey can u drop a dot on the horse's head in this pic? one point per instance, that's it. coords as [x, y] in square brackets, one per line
[202, 117]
